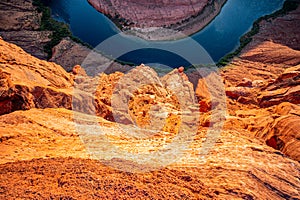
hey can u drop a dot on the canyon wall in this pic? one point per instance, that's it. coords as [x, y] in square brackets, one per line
[21, 24]
[185, 16]
[263, 84]
[45, 111]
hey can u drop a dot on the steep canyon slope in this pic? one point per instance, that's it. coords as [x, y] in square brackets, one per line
[28, 25]
[20, 23]
[263, 84]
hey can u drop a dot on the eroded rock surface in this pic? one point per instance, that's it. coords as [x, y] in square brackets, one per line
[185, 16]
[269, 109]
[45, 144]
[20, 23]
[28, 82]
[43, 135]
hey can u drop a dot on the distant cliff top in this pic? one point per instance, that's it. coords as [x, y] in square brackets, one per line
[180, 15]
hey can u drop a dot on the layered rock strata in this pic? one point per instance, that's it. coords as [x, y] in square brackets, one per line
[147, 18]
[263, 84]
[48, 150]
[20, 24]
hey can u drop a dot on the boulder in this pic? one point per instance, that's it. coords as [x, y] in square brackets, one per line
[245, 83]
[236, 92]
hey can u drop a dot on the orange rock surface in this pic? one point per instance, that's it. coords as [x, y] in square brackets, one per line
[268, 108]
[48, 150]
[235, 168]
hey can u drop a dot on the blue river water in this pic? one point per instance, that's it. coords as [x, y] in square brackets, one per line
[218, 38]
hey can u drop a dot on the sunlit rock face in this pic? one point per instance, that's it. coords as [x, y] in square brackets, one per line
[256, 155]
[262, 85]
[44, 142]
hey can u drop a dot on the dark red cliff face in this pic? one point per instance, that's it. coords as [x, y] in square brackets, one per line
[183, 15]
[150, 13]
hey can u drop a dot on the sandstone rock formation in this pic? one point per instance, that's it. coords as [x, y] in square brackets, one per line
[36, 145]
[69, 53]
[185, 16]
[28, 82]
[48, 134]
[48, 150]
[271, 63]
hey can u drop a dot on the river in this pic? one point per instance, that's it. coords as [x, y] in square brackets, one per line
[218, 38]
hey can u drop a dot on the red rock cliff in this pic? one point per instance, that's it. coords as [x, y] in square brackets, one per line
[186, 16]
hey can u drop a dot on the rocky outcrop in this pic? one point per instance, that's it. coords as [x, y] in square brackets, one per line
[185, 16]
[20, 24]
[283, 132]
[286, 88]
[69, 53]
[268, 69]
[277, 124]
[28, 82]
[45, 144]
[146, 94]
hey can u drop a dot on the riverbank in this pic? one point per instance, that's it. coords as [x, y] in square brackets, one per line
[144, 26]
[43, 37]
[289, 5]
[76, 51]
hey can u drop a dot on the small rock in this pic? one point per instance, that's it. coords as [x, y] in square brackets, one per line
[236, 92]
[245, 83]
[257, 83]
[78, 70]
[180, 69]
